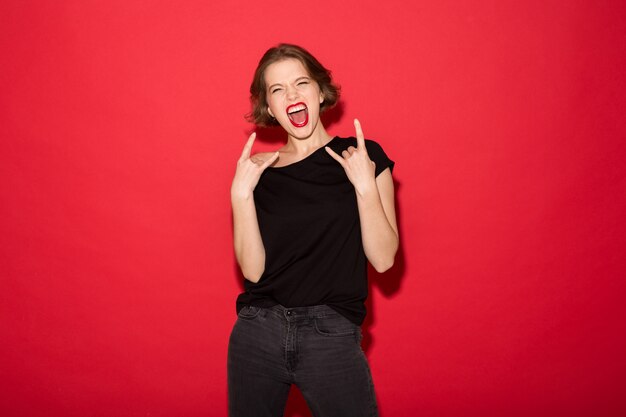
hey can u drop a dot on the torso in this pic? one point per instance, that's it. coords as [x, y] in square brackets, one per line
[309, 222]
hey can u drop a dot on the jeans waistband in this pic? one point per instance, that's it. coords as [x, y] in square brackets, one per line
[317, 311]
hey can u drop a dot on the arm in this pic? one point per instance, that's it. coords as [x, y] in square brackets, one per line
[379, 230]
[249, 249]
[375, 199]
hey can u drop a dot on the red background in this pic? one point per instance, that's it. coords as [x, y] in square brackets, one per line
[120, 126]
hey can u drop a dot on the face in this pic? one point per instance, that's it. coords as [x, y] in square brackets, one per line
[293, 97]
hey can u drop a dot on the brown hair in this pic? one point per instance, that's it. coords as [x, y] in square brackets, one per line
[258, 94]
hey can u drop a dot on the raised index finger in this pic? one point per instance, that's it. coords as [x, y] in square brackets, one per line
[247, 149]
[360, 139]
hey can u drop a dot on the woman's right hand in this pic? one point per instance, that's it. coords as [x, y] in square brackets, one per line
[249, 171]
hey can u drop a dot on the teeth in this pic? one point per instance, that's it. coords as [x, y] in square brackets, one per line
[297, 108]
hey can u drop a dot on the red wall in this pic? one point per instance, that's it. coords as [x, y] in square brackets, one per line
[120, 125]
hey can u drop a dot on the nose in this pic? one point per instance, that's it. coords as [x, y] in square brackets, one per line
[292, 93]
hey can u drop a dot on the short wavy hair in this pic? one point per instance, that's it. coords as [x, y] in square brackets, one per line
[258, 90]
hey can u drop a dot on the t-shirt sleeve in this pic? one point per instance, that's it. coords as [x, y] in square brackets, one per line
[380, 158]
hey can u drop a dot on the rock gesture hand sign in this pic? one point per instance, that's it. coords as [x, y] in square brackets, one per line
[359, 168]
[249, 170]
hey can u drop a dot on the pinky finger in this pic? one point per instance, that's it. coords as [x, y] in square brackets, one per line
[360, 138]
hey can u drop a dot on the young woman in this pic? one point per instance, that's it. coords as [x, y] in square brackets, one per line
[307, 218]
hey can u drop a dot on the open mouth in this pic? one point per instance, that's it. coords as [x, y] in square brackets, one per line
[298, 114]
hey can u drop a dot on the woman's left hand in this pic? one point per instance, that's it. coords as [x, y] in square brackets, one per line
[359, 168]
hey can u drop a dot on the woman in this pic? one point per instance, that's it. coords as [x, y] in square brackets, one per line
[307, 218]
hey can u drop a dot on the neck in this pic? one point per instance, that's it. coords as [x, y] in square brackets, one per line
[304, 146]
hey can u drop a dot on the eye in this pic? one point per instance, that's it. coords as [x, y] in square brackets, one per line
[303, 82]
[275, 90]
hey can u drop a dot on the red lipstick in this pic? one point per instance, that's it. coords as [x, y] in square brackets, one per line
[298, 114]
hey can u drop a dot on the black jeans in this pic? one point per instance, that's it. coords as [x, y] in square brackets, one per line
[315, 348]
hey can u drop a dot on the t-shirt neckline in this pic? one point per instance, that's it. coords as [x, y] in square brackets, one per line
[306, 157]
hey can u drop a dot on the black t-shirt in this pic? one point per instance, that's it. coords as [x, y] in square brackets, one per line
[309, 222]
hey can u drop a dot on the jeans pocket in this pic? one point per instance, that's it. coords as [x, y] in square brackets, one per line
[249, 312]
[335, 325]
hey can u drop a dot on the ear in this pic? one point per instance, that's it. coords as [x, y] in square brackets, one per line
[321, 98]
[270, 111]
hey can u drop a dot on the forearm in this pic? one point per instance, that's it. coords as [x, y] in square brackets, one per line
[380, 239]
[249, 249]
